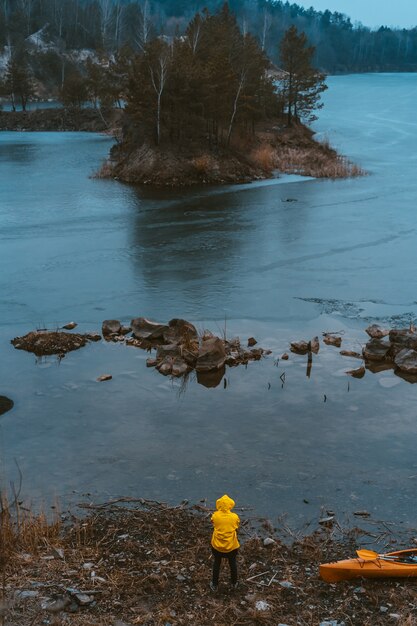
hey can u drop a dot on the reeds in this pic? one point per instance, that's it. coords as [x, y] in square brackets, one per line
[318, 161]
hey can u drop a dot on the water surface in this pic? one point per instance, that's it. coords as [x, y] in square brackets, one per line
[280, 260]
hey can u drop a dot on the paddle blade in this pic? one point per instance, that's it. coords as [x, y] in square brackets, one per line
[367, 555]
[370, 555]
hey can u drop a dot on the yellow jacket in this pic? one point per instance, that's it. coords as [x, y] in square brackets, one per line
[226, 523]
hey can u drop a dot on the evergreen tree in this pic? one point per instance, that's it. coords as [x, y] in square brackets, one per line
[302, 85]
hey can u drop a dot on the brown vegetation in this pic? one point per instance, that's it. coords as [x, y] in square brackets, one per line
[146, 563]
[46, 342]
[269, 152]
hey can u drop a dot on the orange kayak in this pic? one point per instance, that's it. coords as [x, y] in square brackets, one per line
[389, 565]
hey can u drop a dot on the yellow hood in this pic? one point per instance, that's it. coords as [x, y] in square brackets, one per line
[225, 504]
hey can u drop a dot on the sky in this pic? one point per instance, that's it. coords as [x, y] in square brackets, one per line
[402, 13]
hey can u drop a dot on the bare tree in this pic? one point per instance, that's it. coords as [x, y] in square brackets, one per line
[267, 21]
[118, 11]
[194, 33]
[106, 18]
[158, 70]
[145, 26]
[26, 7]
[240, 85]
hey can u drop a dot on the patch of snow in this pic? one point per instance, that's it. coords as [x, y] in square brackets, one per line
[37, 40]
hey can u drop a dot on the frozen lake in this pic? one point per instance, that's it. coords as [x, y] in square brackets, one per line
[339, 255]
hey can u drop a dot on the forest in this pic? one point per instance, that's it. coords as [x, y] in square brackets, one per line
[111, 25]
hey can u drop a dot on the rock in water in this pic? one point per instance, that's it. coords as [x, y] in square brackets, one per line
[358, 373]
[406, 361]
[211, 355]
[376, 332]
[70, 325]
[332, 340]
[376, 350]
[5, 404]
[111, 327]
[104, 377]
[143, 328]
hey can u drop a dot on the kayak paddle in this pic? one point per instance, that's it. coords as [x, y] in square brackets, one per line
[370, 555]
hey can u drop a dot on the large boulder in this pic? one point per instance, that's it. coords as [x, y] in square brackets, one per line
[111, 327]
[181, 332]
[376, 350]
[406, 361]
[211, 355]
[143, 328]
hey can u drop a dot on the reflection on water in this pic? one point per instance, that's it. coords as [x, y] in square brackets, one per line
[240, 259]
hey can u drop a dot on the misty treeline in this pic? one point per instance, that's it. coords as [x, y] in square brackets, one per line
[110, 25]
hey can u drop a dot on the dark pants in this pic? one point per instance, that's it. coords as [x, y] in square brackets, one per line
[231, 557]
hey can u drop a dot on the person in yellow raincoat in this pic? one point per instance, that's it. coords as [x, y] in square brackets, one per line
[224, 541]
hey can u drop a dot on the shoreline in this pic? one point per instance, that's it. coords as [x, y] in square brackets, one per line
[58, 120]
[272, 151]
[134, 561]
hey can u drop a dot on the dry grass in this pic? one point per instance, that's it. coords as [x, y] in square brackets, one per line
[203, 164]
[264, 157]
[317, 161]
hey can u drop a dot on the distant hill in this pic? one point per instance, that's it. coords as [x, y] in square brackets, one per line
[108, 25]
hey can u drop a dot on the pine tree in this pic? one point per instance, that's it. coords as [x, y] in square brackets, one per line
[303, 84]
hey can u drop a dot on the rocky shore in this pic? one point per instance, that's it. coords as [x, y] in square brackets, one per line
[138, 562]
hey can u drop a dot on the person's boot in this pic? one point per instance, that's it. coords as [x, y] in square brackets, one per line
[213, 587]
